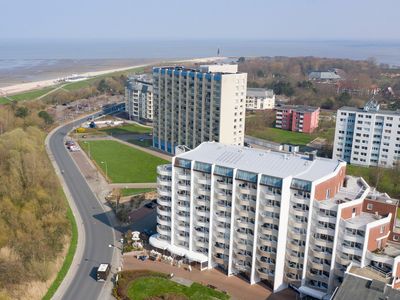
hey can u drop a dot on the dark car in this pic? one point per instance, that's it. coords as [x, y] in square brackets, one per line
[151, 205]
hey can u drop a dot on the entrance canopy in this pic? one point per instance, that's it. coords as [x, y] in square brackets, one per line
[157, 243]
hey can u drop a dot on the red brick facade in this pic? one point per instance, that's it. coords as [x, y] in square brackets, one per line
[330, 187]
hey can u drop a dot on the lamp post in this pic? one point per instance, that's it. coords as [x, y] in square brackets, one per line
[105, 162]
[90, 156]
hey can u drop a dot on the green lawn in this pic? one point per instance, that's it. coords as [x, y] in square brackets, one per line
[30, 95]
[123, 164]
[149, 287]
[133, 191]
[129, 128]
[283, 136]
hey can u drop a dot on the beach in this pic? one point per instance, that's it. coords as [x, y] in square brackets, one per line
[28, 86]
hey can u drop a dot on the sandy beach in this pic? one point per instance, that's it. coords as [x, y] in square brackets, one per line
[28, 86]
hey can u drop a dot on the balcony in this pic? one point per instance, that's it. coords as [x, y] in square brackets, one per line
[202, 202]
[223, 217]
[165, 193]
[184, 176]
[221, 196]
[183, 197]
[267, 242]
[182, 237]
[183, 218]
[203, 192]
[320, 266]
[264, 252]
[221, 238]
[243, 255]
[245, 213]
[164, 211]
[380, 257]
[184, 187]
[299, 212]
[222, 229]
[295, 246]
[221, 249]
[242, 266]
[244, 245]
[164, 170]
[201, 243]
[166, 221]
[182, 226]
[324, 230]
[201, 222]
[268, 231]
[297, 223]
[223, 206]
[182, 206]
[204, 180]
[294, 257]
[246, 190]
[296, 234]
[344, 261]
[220, 260]
[202, 212]
[246, 200]
[224, 185]
[164, 230]
[245, 224]
[319, 253]
[265, 274]
[164, 202]
[270, 208]
[202, 234]
[350, 250]
[321, 242]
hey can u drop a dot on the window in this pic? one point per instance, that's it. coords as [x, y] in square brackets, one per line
[328, 193]
[382, 228]
[370, 206]
[395, 237]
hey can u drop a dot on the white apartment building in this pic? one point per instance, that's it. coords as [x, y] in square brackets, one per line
[196, 105]
[273, 217]
[139, 98]
[368, 136]
[259, 99]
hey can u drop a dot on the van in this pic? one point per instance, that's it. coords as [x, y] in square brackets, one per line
[102, 272]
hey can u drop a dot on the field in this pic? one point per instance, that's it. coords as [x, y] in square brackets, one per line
[130, 128]
[121, 163]
[133, 191]
[30, 95]
[283, 136]
[152, 286]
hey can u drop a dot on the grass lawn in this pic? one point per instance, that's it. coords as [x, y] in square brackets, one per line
[133, 191]
[283, 136]
[30, 95]
[148, 287]
[122, 163]
[129, 128]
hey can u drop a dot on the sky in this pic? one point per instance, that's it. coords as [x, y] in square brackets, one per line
[201, 19]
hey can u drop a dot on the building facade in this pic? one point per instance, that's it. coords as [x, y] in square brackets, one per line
[368, 136]
[260, 99]
[139, 98]
[272, 217]
[196, 105]
[297, 118]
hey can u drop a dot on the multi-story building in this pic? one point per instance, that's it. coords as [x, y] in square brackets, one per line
[273, 217]
[297, 118]
[259, 99]
[139, 98]
[368, 136]
[196, 105]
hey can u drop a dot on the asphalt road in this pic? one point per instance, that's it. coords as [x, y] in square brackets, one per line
[97, 230]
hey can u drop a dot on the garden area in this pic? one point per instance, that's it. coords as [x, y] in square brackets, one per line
[121, 163]
[128, 128]
[141, 285]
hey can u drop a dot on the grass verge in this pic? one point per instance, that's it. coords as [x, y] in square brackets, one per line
[282, 136]
[68, 258]
[122, 163]
[133, 191]
[130, 128]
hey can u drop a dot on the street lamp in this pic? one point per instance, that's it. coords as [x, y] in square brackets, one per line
[105, 162]
[90, 156]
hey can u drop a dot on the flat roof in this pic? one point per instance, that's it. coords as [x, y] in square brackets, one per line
[270, 163]
[380, 111]
[258, 92]
[298, 108]
[355, 287]
[102, 267]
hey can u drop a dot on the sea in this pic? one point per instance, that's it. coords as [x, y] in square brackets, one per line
[37, 59]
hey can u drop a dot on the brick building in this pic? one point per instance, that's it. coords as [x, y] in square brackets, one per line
[297, 118]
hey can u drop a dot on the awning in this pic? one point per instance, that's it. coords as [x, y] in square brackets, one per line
[177, 250]
[157, 243]
[197, 257]
[311, 292]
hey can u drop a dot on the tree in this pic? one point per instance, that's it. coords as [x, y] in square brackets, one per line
[46, 117]
[22, 112]
[328, 104]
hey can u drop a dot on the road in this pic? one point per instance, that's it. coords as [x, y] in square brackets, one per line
[97, 231]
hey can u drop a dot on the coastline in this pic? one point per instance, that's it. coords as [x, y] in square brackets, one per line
[34, 85]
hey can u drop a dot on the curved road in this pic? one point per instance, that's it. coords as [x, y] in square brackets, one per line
[98, 234]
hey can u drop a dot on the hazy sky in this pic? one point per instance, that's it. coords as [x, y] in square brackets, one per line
[182, 19]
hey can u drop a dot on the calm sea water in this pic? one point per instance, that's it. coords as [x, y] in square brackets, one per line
[27, 56]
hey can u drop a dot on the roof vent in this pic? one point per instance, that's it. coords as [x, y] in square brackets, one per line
[312, 156]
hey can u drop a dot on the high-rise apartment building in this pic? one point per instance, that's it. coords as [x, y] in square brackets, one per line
[196, 105]
[274, 217]
[297, 118]
[139, 98]
[260, 99]
[368, 136]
